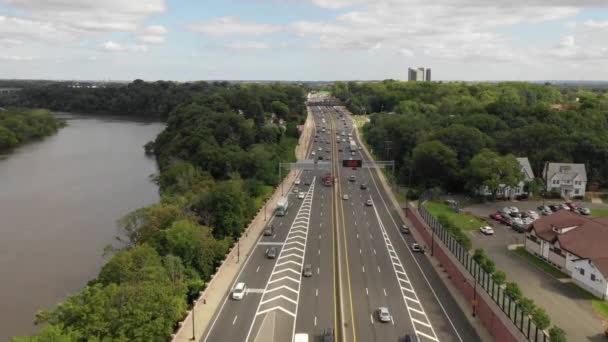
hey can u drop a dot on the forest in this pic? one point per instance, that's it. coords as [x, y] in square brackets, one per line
[445, 134]
[18, 126]
[218, 158]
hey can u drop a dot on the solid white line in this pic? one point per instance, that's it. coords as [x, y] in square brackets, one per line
[318, 270]
[371, 318]
[366, 292]
[234, 320]
[363, 268]
[319, 252]
[378, 269]
[315, 321]
[316, 292]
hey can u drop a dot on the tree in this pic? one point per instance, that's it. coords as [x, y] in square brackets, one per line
[434, 163]
[556, 334]
[540, 318]
[465, 141]
[488, 266]
[513, 291]
[491, 171]
[280, 109]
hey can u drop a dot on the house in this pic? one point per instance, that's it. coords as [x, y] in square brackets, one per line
[510, 192]
[574, 244]
[569, 179]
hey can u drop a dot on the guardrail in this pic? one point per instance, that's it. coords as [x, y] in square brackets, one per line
[483, 280]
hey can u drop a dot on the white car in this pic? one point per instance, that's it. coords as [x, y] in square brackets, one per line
[487, 230]
[345, 197]
[383, 315]
[297, 182]
[533, 214]
[301, 195]
[516, 220]
[313, 153]
[528, 220]
[238, 292]
[369, 203]
[514, 209]
[320, 149]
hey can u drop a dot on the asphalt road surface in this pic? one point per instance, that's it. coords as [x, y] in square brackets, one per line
[359, 261]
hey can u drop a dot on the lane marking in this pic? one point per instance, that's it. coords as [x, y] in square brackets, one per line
[257, 269]
[234, 320]
[384, 292]
[366, 292]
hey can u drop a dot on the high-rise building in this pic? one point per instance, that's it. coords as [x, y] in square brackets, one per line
[418, 74]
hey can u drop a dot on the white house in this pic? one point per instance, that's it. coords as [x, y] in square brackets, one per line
[574, 244]
[569, 179]
[510, 192]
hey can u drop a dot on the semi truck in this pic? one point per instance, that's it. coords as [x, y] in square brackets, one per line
[282, 205]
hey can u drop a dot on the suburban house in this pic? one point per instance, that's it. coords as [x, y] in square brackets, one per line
[511, 192]
[569, 179]
[574, 244]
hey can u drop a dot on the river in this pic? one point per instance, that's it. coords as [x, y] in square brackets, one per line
[60, 199]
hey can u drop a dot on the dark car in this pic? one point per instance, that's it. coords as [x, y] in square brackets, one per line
[515, 214]
[352, 178]
[404, 229]
[307, 182]
[520, 228]
[363, 186]
[410, 338]
[328, 335]
[272, 253]
[554, 207]
[268, 230]
[307, 272]
[506, 220]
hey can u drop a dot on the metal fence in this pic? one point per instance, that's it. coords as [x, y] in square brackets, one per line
[483, 280]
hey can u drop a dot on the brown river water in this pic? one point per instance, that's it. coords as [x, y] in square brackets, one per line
[60, 199]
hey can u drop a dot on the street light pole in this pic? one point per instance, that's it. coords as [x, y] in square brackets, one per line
[193, 309]
[432, 240]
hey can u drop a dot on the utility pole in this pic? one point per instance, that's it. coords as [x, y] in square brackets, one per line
[193, 309]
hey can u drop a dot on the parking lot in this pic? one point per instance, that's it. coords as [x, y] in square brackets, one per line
[564, 305]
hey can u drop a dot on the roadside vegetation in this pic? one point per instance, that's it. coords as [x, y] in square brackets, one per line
[599, 212]
[457, 135]
[19, 126]
[461, 220]
[218, 158]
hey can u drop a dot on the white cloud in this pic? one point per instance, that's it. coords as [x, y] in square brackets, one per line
[16, 58]
[152, 34]
[229, 26]
[151, 39]
[111, 46]
[155, 30]
[247, 45]
[595, 24]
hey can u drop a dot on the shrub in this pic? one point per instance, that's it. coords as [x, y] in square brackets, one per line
[556, 334]
[540, 318]
[513, 291]
[499, 277]
[526, 305]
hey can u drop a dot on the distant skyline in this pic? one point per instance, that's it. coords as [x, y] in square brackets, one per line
[303, 39]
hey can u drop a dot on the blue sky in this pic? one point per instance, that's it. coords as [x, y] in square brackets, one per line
[303, 39]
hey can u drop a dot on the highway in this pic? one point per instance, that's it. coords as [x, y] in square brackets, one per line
[359, 261]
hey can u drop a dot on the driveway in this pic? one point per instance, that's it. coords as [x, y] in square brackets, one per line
[565, 307]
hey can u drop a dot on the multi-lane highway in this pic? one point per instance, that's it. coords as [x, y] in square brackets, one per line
[358, 259]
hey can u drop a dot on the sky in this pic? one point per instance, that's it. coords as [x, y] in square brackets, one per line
[186, 40]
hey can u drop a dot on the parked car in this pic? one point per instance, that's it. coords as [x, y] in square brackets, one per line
[496, 216]
[506, 220]
[515, 214]
[487, 230]
[516, 220]
[416, 247]
[504, 211]
[532, 214]
[564, 206]
[514, 209]
[583, 211]
[571, 205]
[404, 229]
[520, 228]
[383, 315]
[554, 207]
[527, 220]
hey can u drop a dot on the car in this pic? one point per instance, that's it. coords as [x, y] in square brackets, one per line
[516, 220]
[321, 158]
[496, 216]
[352, 153]
[296, 190]
[506, 219]
[271, 253]
[345, 197]
[504, 211]
[527, 220]
[543, 207]
[315, 140]
[571, 205]
[514, 209]
[328, 335]
[297, 182]
[239, 290]
[520, 228]
[416, 247]
[564, 206]
[487, 230]
[383, 315]
[327, 150]
[363, 186]
[533, 214]
[269, 230]
[313, 153]
[352, 178]
[307, 182]
[369, 203]
[320, 148]
[583, 211]
[307, 272]
[410, 338]
[515, 214]
[404, 229]
[301, 195]
[554, 207]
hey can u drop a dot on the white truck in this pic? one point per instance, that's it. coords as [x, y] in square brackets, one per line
[353, 146]
[282, 205]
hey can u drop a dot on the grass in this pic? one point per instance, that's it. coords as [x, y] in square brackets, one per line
[599, 212]
[534, 260]
[600, 306]
[360, 120]
[460, 220]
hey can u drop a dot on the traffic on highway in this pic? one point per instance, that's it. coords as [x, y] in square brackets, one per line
[334, 263]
